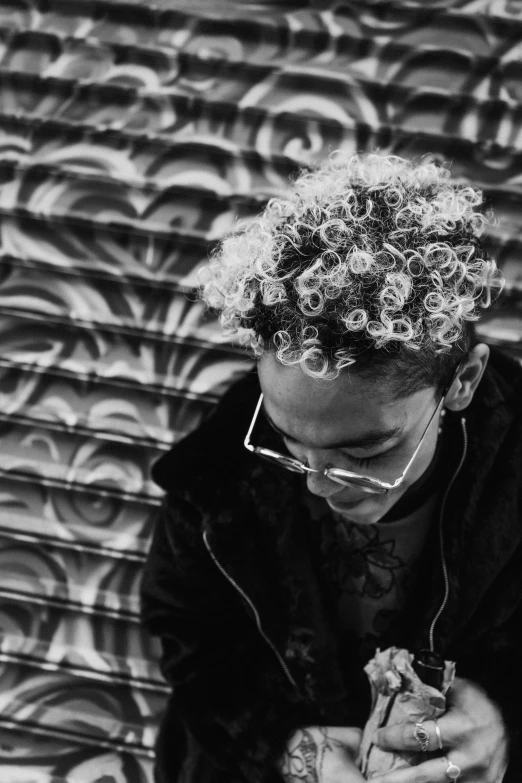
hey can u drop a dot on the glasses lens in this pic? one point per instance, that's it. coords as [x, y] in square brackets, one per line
[352, 480]
[281, 459]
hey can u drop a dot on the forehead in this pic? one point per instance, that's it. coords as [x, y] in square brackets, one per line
[317, 412]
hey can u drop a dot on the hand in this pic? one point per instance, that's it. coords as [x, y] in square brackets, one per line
[322, 754]
[473, 737]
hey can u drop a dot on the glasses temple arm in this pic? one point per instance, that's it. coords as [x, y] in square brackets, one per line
[246, 441]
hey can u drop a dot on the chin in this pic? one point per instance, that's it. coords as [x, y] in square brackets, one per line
[367, 511]
[360, 510]
[361, 519]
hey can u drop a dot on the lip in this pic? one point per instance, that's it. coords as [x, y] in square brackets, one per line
[340, 507]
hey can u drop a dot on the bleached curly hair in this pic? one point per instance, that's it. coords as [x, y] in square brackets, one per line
[367, 257]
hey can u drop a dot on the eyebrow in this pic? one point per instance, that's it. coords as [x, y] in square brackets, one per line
[368, 440]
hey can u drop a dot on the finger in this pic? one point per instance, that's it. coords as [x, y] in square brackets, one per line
[432, 771]
[401, 736]
[350, 737]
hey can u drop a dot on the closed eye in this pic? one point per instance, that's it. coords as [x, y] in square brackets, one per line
[363, 462]
[359, 462]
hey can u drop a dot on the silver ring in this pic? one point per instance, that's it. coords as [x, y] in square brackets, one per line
[439, 736]
[453, 771]
[422, 736]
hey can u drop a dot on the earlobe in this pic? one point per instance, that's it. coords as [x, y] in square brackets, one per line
[468, 378]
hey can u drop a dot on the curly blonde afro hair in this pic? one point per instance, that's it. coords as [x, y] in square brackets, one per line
[366, 256]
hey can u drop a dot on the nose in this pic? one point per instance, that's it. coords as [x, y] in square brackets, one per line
[318, 483]
[321, 485]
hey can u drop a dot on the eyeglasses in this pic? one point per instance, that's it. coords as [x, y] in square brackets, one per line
[347, 478]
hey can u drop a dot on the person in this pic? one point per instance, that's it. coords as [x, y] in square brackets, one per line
[360, 488]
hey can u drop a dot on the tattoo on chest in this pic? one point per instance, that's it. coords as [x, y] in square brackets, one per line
[361, 561]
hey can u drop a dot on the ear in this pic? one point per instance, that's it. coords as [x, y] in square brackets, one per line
[465, 384]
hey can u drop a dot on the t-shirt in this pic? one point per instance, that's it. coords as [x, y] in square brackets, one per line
[370, 569]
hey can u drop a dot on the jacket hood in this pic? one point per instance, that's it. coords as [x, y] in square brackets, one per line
[214, 452]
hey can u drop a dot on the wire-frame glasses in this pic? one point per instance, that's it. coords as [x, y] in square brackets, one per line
[345, 477]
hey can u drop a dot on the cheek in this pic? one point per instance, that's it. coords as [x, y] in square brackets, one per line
[422, 461]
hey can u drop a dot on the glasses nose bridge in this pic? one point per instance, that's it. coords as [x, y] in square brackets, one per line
[319, 483]
[317, 463]
[308, 469]
[309, 459]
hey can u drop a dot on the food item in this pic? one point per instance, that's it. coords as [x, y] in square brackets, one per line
[398, 696]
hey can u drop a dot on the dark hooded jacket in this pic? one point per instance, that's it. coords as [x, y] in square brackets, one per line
[232, 588]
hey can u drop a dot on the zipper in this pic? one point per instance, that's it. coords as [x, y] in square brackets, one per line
[443, 563]
[441, 535]
[254, 611]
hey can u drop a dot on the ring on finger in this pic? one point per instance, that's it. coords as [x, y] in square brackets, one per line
[439, 736]
[453, 771]
[422, 736]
